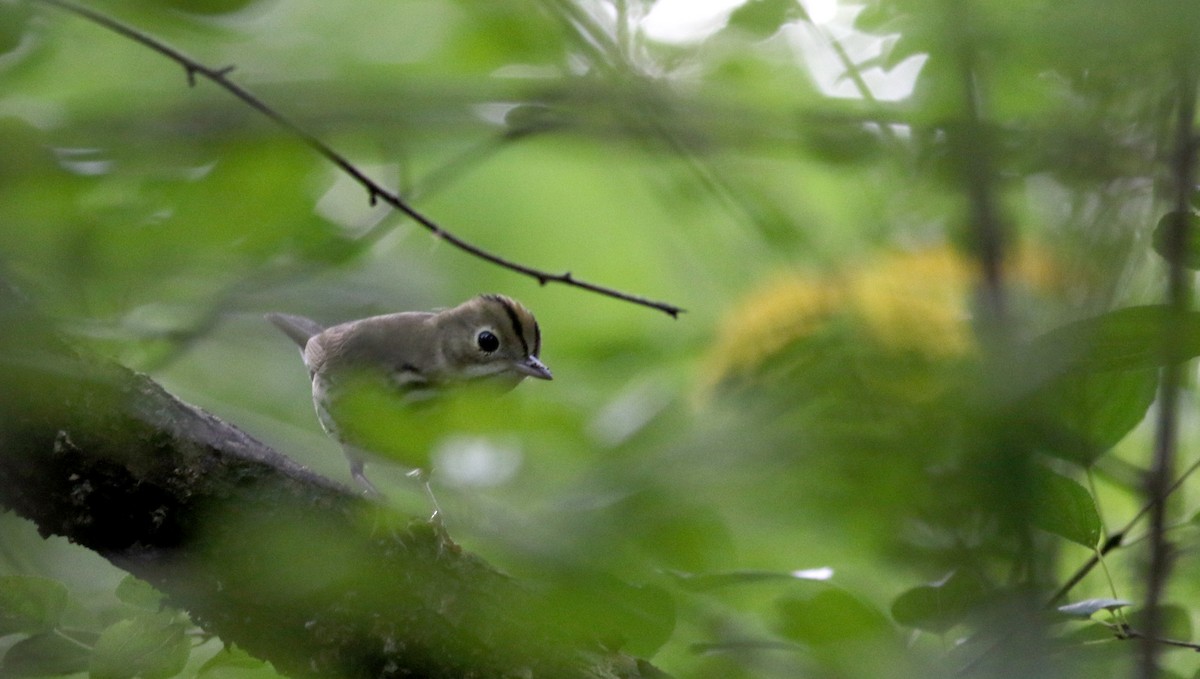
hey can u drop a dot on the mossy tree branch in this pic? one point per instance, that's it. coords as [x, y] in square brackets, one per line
[261, 552]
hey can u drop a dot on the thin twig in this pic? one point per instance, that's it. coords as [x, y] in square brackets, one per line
[375, 191]
[1124, 632]
[1113, 541]
[1117, 539]
[1166, 435]
[1121, 631]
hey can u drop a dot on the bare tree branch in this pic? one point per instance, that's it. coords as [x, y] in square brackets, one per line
[375, 191]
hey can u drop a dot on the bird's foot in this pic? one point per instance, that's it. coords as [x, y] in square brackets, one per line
[368, 489]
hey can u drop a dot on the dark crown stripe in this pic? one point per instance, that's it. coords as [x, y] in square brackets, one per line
[514, 318]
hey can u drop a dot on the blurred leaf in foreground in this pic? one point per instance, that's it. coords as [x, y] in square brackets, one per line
[30, 604]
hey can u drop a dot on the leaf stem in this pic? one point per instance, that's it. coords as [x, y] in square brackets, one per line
[67, 637]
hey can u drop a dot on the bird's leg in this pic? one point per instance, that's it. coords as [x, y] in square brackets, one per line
[356, 473]
[357, 463]
[436, 517]
[445, 542]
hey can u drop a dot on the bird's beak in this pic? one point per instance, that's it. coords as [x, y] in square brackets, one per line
[533, 367]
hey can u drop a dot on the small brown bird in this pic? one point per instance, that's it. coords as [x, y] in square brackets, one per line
[415, 355]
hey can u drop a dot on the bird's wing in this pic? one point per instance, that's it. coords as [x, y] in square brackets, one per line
[299, 328]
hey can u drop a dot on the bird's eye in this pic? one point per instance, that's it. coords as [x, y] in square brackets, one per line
[487, 341]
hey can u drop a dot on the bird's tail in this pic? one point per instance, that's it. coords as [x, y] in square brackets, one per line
[299, 328]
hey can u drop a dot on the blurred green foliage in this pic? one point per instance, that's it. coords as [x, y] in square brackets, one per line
[831, 399]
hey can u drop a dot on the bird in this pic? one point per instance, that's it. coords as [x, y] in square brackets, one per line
[413, 357]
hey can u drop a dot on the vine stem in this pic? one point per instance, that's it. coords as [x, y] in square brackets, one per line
[375, 191]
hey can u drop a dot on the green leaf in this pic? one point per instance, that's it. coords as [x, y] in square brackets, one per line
[1131, 338]
[375, 417]
[234, 663]
[838, 142]
[878, 17]
[139, 594]
[208, 7]
[1095, 411]
[1085, 609]
[492, 34]
[14, 25]
[763, 18]
[830, 616]
[49, 654]
[1191, 254]
[680, 537]
[701, 582]
[149, 646]
[532, 119]
[30, 604]
[1065, 508]
[940, 605]
[636, 619]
